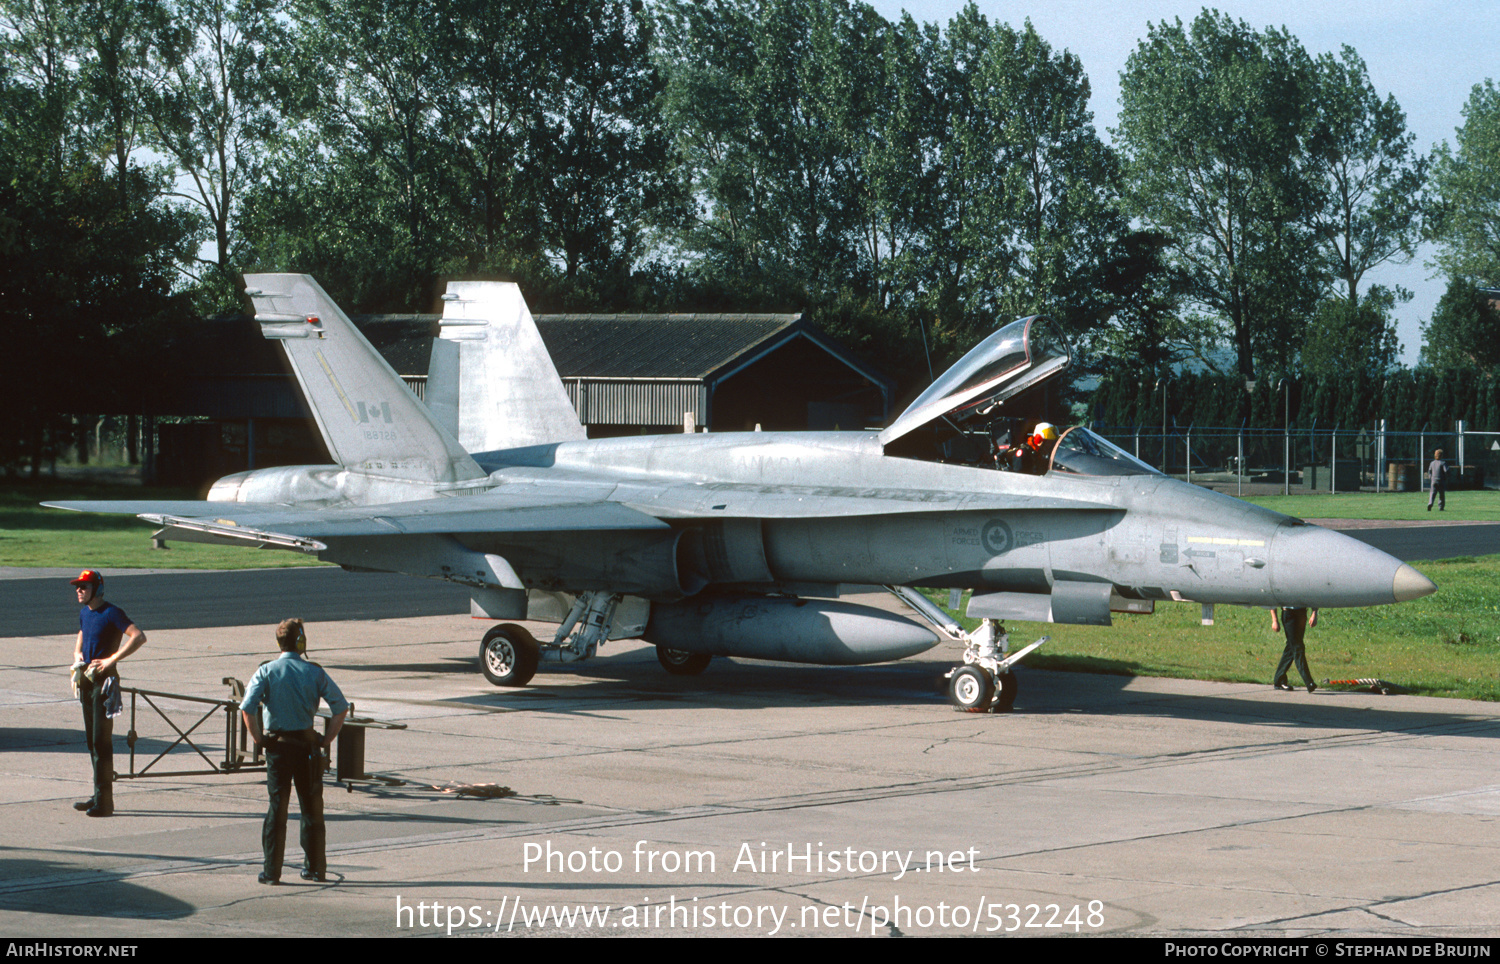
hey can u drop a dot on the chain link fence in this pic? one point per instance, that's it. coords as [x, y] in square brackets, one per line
[1256, 461]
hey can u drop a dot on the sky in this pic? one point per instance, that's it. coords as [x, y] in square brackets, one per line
[1428, 54]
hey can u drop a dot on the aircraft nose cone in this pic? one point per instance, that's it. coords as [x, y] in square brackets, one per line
[1410, 584]
[1317, 567]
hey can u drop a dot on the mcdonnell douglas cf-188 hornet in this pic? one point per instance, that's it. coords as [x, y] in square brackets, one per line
[740, 544]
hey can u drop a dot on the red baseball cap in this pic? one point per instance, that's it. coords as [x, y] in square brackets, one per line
[88, 576]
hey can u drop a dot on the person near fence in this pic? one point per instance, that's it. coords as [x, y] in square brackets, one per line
[286, 691]
[1437, 478]
[105, 636]
[1296, 621]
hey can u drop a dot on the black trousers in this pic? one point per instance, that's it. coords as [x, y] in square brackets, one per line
[294, 760]
[1294, 624]
[99, 731]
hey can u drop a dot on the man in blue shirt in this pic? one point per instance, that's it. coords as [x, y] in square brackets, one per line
[287, 691]
[101, 629]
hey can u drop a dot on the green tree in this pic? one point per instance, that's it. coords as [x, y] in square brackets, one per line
[504, 70]
[1146, 332]
[1345, 337]
[1214, 130]
[212, 108]
[358, 192]
[90, 257]
[511, 139]
[1049, 201]
[41, 41]
[87, 284]
[953, 176]
[770, 106]
[1372, 178]
[598, 154]
[1014, 204]
[1467, 181]
[902, 147]
[1464, 332]
[114, 71]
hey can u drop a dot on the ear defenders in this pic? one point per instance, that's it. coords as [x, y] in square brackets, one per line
[301, 641]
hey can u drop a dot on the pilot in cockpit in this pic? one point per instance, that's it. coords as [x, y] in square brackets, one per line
[1031, 454]
[1041, 443]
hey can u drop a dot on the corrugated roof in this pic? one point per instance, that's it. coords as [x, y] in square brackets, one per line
[653, 346]
[405, 341]
[234, 345]
[693, 346]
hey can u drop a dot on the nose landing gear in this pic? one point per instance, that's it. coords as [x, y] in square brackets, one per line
[985, 683]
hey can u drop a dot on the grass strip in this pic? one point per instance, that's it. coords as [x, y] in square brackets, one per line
[1470, 506]
[34, 537]
[1446, 644]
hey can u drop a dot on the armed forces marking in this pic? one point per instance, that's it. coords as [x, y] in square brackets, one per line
[996, 537]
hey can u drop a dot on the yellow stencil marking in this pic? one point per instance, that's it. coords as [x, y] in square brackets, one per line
[338, 389]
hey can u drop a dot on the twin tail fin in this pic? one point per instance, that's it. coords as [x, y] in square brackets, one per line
[370, 421]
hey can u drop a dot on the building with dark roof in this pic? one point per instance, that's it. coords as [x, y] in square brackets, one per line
[625, 374]
[729, 372]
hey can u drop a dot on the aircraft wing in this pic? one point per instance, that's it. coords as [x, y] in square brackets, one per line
[302, 528]
[543, 508]
[524, 505]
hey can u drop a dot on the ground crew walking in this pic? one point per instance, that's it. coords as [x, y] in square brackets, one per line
[1295, 620]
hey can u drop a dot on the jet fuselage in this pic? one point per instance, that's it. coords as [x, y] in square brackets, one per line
[924, 523]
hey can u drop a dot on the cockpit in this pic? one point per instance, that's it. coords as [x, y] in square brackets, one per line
[1081, 452]
[986, 411]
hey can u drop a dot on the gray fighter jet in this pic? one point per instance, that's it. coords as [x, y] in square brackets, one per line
[741, 544]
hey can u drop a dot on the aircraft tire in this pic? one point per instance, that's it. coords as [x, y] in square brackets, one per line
[971, 689]
[682, 663]
[1006, 700]
[508, 655]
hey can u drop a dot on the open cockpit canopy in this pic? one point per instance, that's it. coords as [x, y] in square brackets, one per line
[1081, 452]
[1013, 359]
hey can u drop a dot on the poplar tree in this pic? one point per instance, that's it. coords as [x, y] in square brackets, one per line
[1467, 181]
[1215, 129]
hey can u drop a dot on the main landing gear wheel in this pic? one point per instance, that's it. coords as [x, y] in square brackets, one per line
[508, 656]
[971, 689]
[682, 663]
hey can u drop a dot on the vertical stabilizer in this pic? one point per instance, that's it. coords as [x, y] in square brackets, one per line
[509, 394]
[370, 420]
